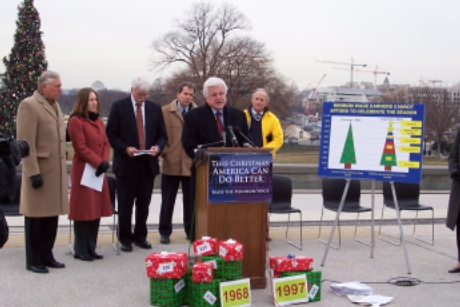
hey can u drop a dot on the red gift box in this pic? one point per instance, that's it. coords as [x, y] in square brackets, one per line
[230, 250]
[202, 272]
[288, 264]
[205, 246]
[166, 265]
[272, 261]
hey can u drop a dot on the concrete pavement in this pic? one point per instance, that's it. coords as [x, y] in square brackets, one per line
[121, 280]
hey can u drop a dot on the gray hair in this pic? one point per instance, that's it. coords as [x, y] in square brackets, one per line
[141, 83]
[213, 81]
[46, 77]
[261, 90]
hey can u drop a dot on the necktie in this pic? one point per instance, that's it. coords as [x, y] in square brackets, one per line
[258, 116]
[140, 126]
[183, 113]
[220, 127]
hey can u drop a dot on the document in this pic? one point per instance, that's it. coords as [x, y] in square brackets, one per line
[90, 180]
[143, 152]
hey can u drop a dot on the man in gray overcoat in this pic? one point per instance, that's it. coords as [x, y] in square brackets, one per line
[44, 191]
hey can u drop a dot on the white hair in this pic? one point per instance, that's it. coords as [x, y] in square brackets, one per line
[213, 81]
[141, 83]
[46, 77]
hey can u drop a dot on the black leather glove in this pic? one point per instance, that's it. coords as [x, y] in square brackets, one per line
[455, 176]
[37, 181]
[102, 168]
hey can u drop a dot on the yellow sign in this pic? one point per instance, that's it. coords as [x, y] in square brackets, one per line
[290, 290]
[235, 293]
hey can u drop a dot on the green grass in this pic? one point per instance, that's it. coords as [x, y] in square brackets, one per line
[299, 154]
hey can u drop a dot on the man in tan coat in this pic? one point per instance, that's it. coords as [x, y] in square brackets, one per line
[176, 164]
[44, 192]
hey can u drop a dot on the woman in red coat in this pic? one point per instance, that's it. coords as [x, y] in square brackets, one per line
[91, 146]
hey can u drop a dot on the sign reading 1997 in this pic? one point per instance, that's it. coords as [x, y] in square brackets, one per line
[380, 141]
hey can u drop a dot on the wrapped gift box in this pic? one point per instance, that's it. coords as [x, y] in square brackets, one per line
[202, 272]
[289, 264]
[168, 292]
[217, 264]
[204, 294]
[205, 246]
[230, 250]
[166, 265]
[314, 280]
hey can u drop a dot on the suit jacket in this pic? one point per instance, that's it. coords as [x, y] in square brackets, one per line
[200, 127]
[175, 161]
[44, 130]
[122, 133]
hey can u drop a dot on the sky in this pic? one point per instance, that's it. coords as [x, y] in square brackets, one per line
[109, 40]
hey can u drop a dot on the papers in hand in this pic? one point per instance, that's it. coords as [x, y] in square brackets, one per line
[356, 288]
[144, 152]
[90, 180]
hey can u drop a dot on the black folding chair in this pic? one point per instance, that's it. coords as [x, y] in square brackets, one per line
[332, 191]
[407, 195]
[281, 204]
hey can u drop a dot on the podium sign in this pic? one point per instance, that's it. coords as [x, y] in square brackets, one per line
[240, 177]
[240, 212]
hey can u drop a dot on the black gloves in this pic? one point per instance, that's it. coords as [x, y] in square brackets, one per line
[102, 168]
[37, 181]
[455, 176]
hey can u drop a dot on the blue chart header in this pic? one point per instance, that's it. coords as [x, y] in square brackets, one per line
[235, 177]
[380, 141]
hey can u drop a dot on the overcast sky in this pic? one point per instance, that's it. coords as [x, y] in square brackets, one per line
[108, 40]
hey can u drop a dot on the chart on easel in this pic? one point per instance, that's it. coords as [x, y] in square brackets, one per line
[380, 143]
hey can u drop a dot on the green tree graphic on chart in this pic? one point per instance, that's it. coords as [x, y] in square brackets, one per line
[348, 154]
[389, 153]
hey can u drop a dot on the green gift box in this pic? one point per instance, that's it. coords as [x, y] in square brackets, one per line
[313, 278]
[168, 292]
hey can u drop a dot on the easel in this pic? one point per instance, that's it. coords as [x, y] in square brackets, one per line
[398, 214]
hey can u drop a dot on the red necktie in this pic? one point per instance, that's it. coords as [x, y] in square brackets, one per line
[220, 127]
[140, 126]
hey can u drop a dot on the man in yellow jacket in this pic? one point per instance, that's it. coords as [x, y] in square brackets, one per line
[264, 127]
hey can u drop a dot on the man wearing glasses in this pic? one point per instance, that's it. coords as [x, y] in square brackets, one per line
[137, 134]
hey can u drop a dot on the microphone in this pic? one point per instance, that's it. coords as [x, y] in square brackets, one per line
[224, 139]
[210, 144]
[238, 130]
[232, 136]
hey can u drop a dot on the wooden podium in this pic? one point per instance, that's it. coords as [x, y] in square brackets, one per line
[245, 222]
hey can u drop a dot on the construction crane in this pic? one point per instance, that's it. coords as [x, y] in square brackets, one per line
[351, 64]
[310, 105]
[376, 72]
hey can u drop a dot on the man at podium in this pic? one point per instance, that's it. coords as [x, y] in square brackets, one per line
[212, 125]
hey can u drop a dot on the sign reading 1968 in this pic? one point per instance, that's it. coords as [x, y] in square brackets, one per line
[245, 177]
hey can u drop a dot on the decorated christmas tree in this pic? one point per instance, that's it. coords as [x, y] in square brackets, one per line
[389, 154]
[23, 66]
[348, 154]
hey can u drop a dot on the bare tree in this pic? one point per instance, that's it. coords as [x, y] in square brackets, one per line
[210, 43]
[441, 114]
[199, 40]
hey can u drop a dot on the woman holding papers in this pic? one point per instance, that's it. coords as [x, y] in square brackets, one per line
[89, 199]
